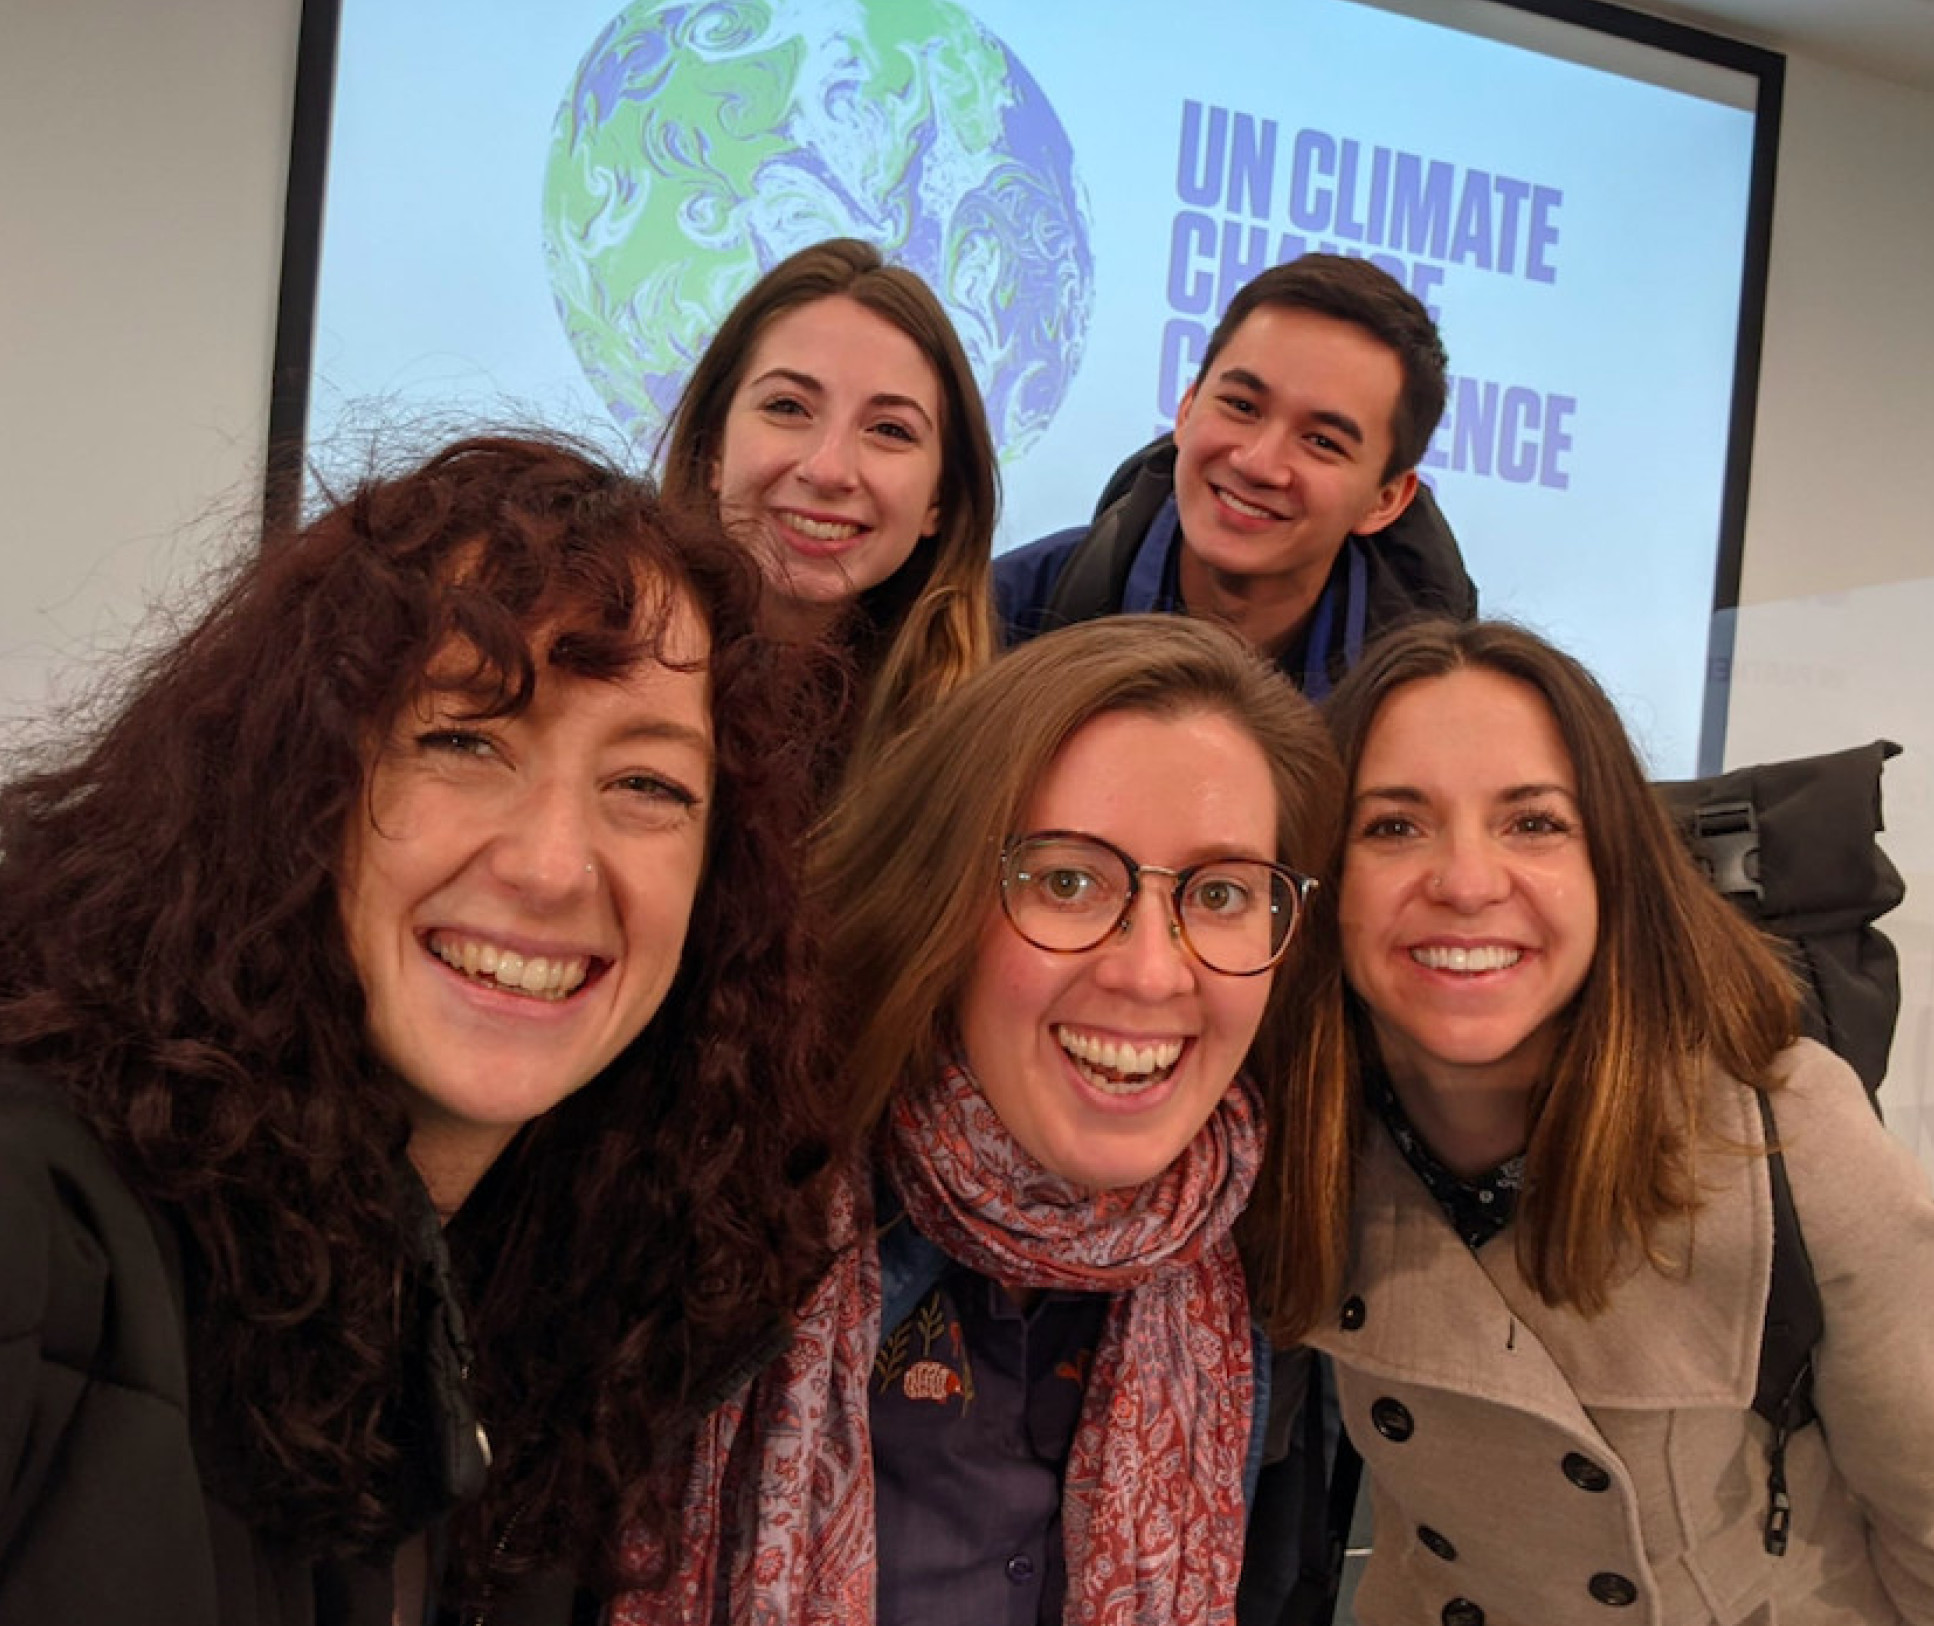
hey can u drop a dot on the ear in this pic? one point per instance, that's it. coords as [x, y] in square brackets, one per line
[712, 475]
[1182, 407]
[1392, 498]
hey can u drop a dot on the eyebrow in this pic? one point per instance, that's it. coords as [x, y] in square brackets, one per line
[1341, 422]
[806, 381]
[663, 728]
[1411, 796]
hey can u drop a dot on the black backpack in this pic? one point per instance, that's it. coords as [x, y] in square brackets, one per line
[1792, 845]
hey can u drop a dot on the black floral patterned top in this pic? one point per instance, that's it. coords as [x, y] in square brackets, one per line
[1477, 1208]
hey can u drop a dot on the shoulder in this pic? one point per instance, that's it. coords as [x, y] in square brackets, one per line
[1024, 580]
[94, 1438]
[1080, 573]
[54, 1178]
[1416, 567]
[85, 1280]
[1856, 1185]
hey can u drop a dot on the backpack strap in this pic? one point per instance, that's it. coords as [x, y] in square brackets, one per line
[1327, 1511]
[1094, 581]
[1794, 1323]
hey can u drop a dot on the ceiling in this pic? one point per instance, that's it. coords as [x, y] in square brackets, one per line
[1893, 39]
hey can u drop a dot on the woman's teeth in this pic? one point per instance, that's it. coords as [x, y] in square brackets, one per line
[1491, 957]
[822, 530]
[1119, 1067]
[538, 976]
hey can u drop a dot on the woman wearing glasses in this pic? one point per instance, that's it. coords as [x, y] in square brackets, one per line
[1088, 998]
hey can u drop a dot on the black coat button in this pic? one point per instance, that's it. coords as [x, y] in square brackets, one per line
[1613, 1589]
[1462, 1612]
[1352, 1316]
[1392, 1419]
[1437, 1542]
[1584, 1473]
[1020, 1569]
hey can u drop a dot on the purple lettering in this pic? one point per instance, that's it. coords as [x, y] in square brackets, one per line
[1471, 241]
[1379, 192]
[1510, 194]
[1245, 254]
[1345, 223]
[1420, 206]
[1474, 426]
[1558, 408]
[1518, 446]
[1252, 166]
[1425, 280]
[1311, 160]
[1198, 168]
[1191, 245]
[1544, 234]
[1183, 345]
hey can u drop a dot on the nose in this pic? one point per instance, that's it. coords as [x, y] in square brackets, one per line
[1263, 456]
[544, 847]
[1145, 957]
[1468, 873]
[830, 464]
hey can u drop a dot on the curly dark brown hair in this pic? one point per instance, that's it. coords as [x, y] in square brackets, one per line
[171, 951]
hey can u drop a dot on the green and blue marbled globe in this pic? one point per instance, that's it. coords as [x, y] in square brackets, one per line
[699, 144]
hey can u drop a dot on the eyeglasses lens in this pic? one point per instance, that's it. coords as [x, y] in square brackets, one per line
[1067, 894]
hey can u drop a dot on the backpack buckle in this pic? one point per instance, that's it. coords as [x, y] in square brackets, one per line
[1727, 834]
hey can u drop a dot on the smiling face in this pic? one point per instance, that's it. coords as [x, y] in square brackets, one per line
[1469, 911]
[1105, 1064]
[516, 893]
[1281, 448]
[831, 456]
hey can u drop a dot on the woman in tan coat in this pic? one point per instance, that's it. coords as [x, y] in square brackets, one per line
[1572, 1052]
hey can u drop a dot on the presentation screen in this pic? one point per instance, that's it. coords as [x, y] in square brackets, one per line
[543, 211]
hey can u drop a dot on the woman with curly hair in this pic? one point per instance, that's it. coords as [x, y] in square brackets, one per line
[1595, 1145]
[407, 1069]
[1093, 1011]
[835, 422]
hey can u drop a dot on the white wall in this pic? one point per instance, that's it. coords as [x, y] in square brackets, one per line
[143, 150]
[1836, 629]
[142, 153]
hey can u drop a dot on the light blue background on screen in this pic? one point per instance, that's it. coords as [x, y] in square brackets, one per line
[435, 299]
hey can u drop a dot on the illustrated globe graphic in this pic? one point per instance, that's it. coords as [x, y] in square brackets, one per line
[699, 144]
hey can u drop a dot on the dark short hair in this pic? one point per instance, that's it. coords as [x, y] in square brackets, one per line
[1365, 295]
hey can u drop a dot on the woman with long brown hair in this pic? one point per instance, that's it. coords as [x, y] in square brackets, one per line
[835, 423]
[408, 1118]
[1588, 1109]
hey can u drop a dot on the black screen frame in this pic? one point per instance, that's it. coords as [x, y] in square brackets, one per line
[303, 218]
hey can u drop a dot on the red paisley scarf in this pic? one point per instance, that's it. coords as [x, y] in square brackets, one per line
[780, 1505]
